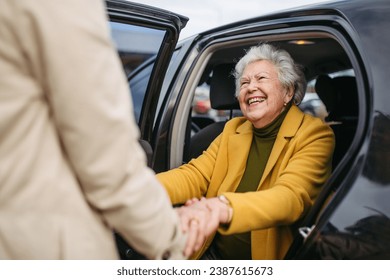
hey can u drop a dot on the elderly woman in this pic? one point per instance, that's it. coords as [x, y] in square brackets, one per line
[264, 171]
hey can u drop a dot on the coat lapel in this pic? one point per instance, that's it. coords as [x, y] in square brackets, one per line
[288, 129]
[238, 149]
[239, 145]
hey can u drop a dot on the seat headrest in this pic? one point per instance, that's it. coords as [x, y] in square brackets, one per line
[339, 94]
[326, 92]
[222, 88]
[347, 95]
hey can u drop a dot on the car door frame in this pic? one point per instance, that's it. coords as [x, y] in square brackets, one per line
[261, 28]
[156, 18]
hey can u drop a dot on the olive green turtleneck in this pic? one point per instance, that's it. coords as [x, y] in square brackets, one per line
[238, 246]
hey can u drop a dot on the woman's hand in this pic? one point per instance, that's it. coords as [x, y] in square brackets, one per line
[198, 222]
[201, 217]
[219, 205]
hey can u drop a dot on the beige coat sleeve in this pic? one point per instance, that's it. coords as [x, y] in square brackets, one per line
[71, 54]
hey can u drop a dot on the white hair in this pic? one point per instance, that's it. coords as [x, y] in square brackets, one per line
[290, 74]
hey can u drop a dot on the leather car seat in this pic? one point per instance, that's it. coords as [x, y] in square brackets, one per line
[339, 94]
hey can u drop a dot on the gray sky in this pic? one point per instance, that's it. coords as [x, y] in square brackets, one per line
[206, 14]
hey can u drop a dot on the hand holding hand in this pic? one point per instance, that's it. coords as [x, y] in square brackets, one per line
[198, 222]
[201, 218]
[220, 207]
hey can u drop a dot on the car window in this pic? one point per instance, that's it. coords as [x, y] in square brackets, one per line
[135, 45]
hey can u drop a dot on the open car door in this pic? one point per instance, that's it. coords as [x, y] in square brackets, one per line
[141, 32]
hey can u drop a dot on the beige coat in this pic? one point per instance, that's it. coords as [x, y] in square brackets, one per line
[71, 168]
[299, 164]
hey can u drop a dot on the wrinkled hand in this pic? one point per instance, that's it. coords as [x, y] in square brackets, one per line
[220, 209]
[198, 221]
[201, 218]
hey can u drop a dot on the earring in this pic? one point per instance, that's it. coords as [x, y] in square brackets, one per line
[284, 104]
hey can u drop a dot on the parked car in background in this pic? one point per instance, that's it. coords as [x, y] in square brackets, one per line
[342, 47]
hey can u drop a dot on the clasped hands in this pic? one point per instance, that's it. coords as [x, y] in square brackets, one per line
[200, 218]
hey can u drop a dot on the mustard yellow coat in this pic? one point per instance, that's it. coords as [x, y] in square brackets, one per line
[299, 164]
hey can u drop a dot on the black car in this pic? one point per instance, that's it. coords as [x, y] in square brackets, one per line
[342, 46]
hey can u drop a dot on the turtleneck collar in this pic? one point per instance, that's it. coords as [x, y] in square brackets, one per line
[272, 129]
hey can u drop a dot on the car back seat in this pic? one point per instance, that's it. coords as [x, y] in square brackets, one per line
[222, 97]
[339, 94]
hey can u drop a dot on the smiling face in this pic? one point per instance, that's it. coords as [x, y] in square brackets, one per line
[262, 96]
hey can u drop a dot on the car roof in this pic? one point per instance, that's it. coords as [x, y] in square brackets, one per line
[326, 55]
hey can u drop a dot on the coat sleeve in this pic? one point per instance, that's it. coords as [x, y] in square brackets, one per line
[72, 56]
[192, 179]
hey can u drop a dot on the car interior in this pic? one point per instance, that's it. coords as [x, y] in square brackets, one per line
[332, 95]
[332, 73]
[330, 77]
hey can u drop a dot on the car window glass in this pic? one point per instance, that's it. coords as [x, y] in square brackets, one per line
[164, 89]
[138, 84]
[135, 45]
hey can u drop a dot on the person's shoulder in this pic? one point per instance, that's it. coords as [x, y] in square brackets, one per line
[235, 123]
[307, 119]
[313, 120]
[312, 124]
